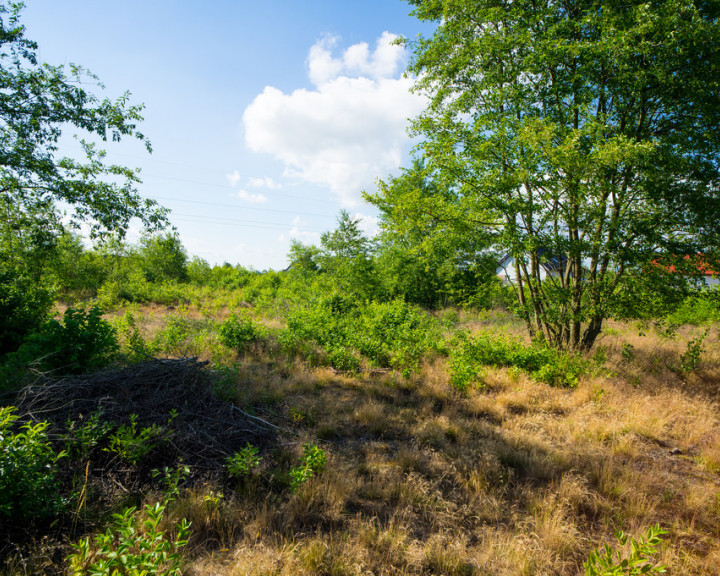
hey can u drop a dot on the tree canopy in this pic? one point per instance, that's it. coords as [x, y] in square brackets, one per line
[38, 102]
[582, 131]
[41, 192]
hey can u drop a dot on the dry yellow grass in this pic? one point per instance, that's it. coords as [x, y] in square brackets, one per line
[518, 478]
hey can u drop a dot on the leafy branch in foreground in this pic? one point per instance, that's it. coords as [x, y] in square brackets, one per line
[132, 547]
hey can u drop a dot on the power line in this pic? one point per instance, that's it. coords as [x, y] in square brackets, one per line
[240, 207]
[227, 187]
[243, 223]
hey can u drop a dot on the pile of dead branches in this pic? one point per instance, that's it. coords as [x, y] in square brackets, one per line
[204, 431]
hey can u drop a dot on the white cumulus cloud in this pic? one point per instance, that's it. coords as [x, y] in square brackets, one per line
[349, 129]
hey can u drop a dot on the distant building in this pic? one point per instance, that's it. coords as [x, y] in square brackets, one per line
[549, 266]
[696, 267]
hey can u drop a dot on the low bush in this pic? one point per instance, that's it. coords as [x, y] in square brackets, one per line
[312, 464]
[607, 562]
[471, 353]
[240, 331]
[28, 473]
[81, 342]
[388, 334]
[242, 463]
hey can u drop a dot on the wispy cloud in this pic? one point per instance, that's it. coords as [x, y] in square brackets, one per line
[251, 198]
[233, 179]
[265, 182]
[297, 232]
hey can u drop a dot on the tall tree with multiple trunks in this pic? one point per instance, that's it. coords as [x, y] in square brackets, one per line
[38, 102]
[586, 131]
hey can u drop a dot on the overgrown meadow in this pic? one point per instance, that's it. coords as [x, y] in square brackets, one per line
[218, 420]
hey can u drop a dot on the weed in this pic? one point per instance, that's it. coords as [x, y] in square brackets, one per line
[243, 462]
[130, 547]
[313, 463]
[609, 563]
[82, 438]
[132, 444]
[628, 351]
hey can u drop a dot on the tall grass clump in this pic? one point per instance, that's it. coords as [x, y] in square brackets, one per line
[470, 354]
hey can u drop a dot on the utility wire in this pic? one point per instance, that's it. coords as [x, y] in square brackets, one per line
[240, 207]
[241, 224]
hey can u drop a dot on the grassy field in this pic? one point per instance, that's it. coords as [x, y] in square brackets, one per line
[510, 477]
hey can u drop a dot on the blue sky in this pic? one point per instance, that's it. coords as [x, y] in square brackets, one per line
[266, 118]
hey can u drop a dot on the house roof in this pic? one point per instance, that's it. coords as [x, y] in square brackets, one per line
[698, 261]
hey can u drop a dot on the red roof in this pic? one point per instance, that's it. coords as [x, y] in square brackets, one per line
[698, 261]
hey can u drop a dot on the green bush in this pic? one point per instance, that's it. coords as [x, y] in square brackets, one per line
[240, 331]
[83, 341]
[28, 474]
[471, 353]
[133, 548]
[395, 334]
[388, 334]
[24, 305]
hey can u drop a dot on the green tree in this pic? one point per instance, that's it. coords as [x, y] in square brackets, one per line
[584, 132]
[347, 254]
[38, 103]
[163, 257]
[430, 252]
[303, 258]
[76, 269]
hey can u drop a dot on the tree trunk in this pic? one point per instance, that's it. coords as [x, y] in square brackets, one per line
[591, 333]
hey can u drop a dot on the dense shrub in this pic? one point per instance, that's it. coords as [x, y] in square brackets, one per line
[390, 334]
[24, 305]
[83, 341]
[28, 484]
[696, 310]
[395, 334]
[240, 331]
[471, 353]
